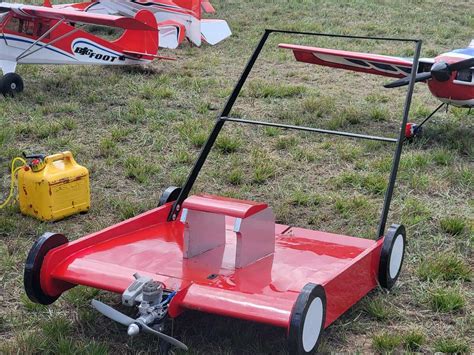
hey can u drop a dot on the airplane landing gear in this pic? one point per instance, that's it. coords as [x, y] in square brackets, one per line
[11, 84]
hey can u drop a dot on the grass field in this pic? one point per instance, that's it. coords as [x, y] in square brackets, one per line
[139, 131]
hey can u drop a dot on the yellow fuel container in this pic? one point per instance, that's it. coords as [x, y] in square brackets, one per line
[55, 189]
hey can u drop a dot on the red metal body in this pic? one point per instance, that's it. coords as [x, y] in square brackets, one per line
[264, 291]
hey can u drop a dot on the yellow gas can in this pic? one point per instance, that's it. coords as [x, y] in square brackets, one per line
[54, 189]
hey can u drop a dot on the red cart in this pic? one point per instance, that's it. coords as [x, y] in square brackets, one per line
[225, 256]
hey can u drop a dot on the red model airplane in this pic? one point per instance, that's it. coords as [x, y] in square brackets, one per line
[185, 13]
[450, 76]
[44, 35]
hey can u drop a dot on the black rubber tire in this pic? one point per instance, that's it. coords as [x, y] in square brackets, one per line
[387, 277]
[169, 195]
[298, 318]
[11, 84]
[33, 265]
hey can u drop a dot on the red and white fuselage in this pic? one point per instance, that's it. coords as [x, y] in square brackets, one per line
[40, 35]
[459, 89]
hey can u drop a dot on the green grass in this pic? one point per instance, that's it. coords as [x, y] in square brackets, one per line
[414, 339]
[286, 142]
[379, 309]
[351, 115]
[56, 328]
[139, 130]
[228, 144]
[445, 267]
[371, 183]
[384, 342]
[348, 207]
[443, 157]
[378, 114]
[451, 346]
[410, 340]
[453, 225]
[304, 198]
[235, 176]
[138, 169]
[415, 212]
[125, 209]
[446, 299]
[260, 89]
[108, 147]
[264, 167]
[319, 106]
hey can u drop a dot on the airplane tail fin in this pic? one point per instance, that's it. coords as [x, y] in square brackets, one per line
[212, 31]
[193, 26]
[172, 33]
[215, 31]
[193, 6]
[141, 42]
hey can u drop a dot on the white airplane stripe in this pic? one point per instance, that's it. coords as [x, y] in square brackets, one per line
[9, 37]
[343, 61]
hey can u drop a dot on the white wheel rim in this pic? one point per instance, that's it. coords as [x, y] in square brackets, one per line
[396, 257]
[313, 323]
[13, 86]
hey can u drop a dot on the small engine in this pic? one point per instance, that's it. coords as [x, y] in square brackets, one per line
[148, 294]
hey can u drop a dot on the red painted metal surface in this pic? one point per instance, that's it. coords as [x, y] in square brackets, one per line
[264, 291]
[223, 205]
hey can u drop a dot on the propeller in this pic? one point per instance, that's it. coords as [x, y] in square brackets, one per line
[406, 80]
[123, 319]
[441, 71]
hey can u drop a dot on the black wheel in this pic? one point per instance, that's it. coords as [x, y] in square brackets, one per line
[169, 195]
[11, 84]
[307, 320]
[413, 130]
[33, 265]
[392, 255]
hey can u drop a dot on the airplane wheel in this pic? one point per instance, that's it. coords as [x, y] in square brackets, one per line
[11, 84]
[391, 256]
[307, 320]
[412, 130]
[169, 195]
[34, 263]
